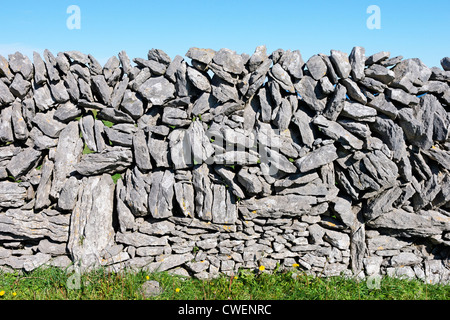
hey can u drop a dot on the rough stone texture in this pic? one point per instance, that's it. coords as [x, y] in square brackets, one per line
[91, 221]
[340, 164]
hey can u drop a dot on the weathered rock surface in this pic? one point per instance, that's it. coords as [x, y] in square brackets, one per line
[91, 224]
[110, 160]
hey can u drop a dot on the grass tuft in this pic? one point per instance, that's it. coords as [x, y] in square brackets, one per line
[54, 284]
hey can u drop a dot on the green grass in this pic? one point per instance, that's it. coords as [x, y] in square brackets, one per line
[116, 177]
[51, 283]
[107, 123]
[86, 150]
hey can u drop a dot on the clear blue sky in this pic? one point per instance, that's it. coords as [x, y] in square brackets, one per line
[410, 28]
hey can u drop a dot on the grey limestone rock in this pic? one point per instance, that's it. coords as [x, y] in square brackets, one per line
[251, 182]
[141, 152]
[341, 63]
[357, 59]
[4, 68]
[382, 203]
[293, 63]
[19, 87]
[392, 135]
[21, 63]
[380, 73]
[337, 132]
[67, 112]
[110, 160]
[229, 60]
[161, 194]
[136, 196]
[42, 97]
[180, 149]
[19, 125]
[257, 58]
[224, 209]
[204, 56]
[115, 116]
[445, 63]
[67, 155]
[154, 66]
[87, 130]
[79, 57]
[377, 57]
[316, 67]
[169, 262]
[276, 161]
[51, 65]
[282, 77]
[151, 288]
[12, 195]
[175, 117]
[47, 123]
[184, 194]
[159, 56]
[124, 215]
[201, 146]
[409, 73]
[159, 150]
[32, 225]
[203, 192]
[6, 96]
[110, 66]
[317, 158]
[91, 229]
[118, 92]
[22, 162]
[157, 90]
[69, 194]
[383, 105]
[417, 123]
[336, 103]
[200, 80]
[354, 91]
[359, 112]
[304, 124]
[59, 92]
[132, 104]
[51, 247]
[311, 93]
[236, 157]
[119, 136]
[276, 206]
[372, 85]
[102, 89]
[337, 239]
[407, 224]
[402, 97]
[43, 190]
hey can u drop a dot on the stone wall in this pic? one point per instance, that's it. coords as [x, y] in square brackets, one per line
[222, 161]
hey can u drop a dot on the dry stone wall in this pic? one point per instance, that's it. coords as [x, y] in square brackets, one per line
[220, 161]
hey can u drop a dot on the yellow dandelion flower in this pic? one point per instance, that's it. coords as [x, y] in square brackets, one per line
[2, 293]
[295, 265]
[147, 277]
[14, 294]
[177, 290]
[262, 268]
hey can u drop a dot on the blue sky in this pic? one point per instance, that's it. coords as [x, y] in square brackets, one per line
[414, 29]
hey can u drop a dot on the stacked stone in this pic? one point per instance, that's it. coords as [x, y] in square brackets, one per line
[223, 161]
